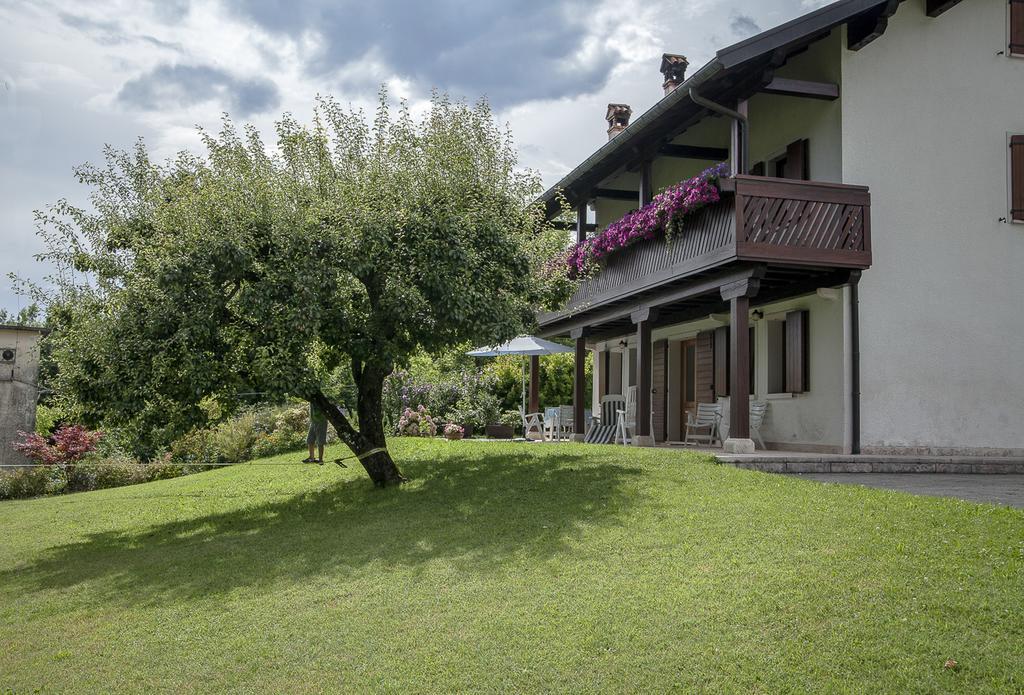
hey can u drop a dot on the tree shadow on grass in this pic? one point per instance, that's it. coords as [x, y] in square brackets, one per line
[475, 511]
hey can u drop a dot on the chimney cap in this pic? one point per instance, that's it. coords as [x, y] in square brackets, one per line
[673, 68]
[673, 62]
[618, 112]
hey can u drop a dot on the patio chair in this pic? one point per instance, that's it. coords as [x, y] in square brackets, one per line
[565, 422]
[602, 427]
[704, 427]
[532, 421]
[757, 412]
[551, 424]
[625, 425]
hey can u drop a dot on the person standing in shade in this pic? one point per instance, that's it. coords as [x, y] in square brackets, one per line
[317, 436]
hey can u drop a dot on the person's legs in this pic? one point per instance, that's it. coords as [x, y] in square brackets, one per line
[321, 441]
[311, 442]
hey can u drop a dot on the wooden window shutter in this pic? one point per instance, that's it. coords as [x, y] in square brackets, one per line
[722, 361]
[752, 353]
[796, 161]
[1017, 177]
[705, 357]
[659, 390]
[796, 352]
[1017, 27]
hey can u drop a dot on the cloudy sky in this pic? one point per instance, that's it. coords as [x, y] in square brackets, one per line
[77, 75]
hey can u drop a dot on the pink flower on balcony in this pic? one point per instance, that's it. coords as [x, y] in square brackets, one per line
[668, 207]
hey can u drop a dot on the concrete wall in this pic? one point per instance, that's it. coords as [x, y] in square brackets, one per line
[926, 112]
[18, 390]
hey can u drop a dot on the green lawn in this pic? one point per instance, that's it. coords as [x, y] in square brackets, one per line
[509, 567]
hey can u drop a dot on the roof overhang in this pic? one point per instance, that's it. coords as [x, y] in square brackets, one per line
[736, 72]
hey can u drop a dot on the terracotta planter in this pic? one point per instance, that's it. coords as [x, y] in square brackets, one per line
[454, 436]
[499, 431]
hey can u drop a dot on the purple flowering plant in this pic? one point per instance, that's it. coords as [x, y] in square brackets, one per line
[664, 214]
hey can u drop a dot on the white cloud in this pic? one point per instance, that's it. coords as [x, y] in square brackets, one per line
[63, 64]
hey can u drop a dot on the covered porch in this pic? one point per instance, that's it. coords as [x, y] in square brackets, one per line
[678, 319]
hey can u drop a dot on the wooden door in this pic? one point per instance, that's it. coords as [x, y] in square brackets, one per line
[688, 385]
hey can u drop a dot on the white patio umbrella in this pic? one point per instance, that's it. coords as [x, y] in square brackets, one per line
[523, 345]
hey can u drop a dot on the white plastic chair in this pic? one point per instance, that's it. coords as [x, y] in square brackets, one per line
[532, 421]
[566, 420]
[625, 426]
[704, 427]
[757, 413]
[551, 424]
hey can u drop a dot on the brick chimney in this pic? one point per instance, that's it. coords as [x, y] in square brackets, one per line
[673, 67]
[618, 118]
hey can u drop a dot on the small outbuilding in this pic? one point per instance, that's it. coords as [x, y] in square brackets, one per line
[19, 387]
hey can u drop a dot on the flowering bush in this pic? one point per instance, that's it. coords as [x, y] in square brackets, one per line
[453, 431]
[664, 213]
[450, 392]
[69, 444]
[417, 423]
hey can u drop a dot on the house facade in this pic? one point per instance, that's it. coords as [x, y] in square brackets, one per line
[858, 273]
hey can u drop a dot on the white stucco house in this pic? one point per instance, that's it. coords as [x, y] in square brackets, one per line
[860, 273]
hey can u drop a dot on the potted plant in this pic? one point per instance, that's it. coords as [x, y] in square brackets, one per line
[505, 427]
[453, 431]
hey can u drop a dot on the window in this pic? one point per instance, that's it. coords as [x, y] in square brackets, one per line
[1016, 184]
[794, 164]
[1016, 28]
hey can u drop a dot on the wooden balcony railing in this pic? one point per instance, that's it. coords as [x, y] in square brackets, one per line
[802, 222]
[759, 219]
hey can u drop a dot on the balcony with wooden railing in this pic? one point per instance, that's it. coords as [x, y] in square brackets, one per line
[793, 231]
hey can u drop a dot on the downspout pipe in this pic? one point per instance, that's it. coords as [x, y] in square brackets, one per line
[855, 365]
[740, 158]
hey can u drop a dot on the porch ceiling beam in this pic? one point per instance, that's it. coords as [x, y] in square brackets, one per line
[866, 27]
[616, 194]
[627, 309]
[715, 154]
[937, 7]
[833, 278]
[828, 91]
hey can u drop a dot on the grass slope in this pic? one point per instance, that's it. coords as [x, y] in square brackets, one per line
[509, 567]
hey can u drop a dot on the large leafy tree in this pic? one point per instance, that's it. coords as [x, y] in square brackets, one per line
[351, 244]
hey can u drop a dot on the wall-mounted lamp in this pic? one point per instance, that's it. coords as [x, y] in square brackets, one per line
[623, 344]
[757, 315]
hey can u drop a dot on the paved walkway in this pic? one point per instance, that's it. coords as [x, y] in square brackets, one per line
[996, 489]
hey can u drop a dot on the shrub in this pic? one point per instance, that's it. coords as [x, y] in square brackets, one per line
[417, 423]
[47, 418]
[20, 483]
[234, 440]
[195, 447]
[70, 443]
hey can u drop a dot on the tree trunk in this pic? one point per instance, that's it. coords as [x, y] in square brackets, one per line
[379, 466]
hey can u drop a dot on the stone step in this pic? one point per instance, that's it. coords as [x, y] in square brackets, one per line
[803, 463]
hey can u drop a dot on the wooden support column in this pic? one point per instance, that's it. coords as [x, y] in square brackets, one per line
[738, 295]
[644, 358]
[534, 384]
[646, 185]
[581, 222]
[579, 391]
